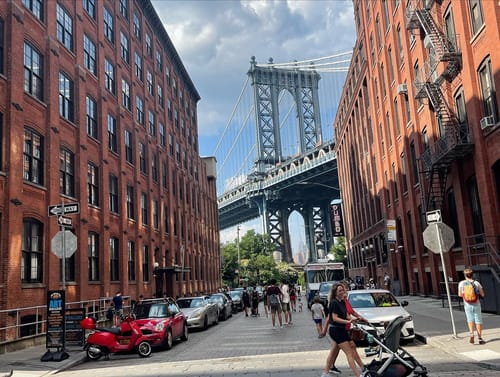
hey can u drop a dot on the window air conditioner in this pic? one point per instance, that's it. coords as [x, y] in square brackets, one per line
[487, 122]
[402, 89]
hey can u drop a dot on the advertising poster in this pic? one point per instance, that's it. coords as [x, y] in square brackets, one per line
[337, 220]
[55, 319]
[73, 330]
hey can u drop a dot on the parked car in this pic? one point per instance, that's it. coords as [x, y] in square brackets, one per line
[323, 292]
[225, 306]
[164, 318]
[200, 312]
[260, 291]
[379, 307]
[237, 297]
[230, 299]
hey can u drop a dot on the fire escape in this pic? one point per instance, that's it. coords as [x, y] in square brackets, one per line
[454, 141]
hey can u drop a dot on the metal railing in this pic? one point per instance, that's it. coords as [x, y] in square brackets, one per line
[28, 322]
[483, 249]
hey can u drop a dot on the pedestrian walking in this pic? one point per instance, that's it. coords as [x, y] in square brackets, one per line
[274, 296]
[118, 304]
[339, 318]
[293, 298]
[387, 281]
[471, 291]
[318, 313]
[285, 302]
[246, 301]
[264, 299]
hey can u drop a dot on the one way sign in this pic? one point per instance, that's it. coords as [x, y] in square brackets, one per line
[69, 208]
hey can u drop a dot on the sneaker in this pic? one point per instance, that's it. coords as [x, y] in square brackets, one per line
[471, 339]
[326, 374]
[335, 371]
[481, 341]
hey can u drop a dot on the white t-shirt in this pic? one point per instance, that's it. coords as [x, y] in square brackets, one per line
[286, 293]
[317, 310]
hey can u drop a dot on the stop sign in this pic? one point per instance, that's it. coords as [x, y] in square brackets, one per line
[67, 248]
[438, 237]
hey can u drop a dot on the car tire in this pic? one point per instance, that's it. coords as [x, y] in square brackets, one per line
[168, 341]
[144, 349]
[185, 333]
[216, 321]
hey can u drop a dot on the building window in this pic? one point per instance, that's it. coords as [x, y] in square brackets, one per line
[171, 144]
[396, 117]
[126, 94]
[159, 61]
[113, 193]
[149, 45]
[160, 96]
[143, 158]
[414, 163]
[32, 255]
[124, 47]
[139, 105]
[36, 7]
[407, 108]
[129, 147]
[154, 167]
[33, 72]
[138, 65]
[64, 27]
[425, 139]
[124, 8]
[130, 202]
[452, 216]
[164, 174]
[112, 134]
[403, 173]
[379, 33]
[89, 55]
[169, 109]
[389, 131]
[66, 97]
[475, 206]
[151, 122]
[2, 44]
[476, 15]
[166, 219]
[109, 32]
[400, 45]
[109, 76]
[131, 260]
[91, 117]
[93, 184]
[93, 256]
[156, 215]
[137, 26]
[114, 259]
[144, 209]
[67, 172]
[149, 82]
[385, 6]
[33, 157]
[162, 134]
[488, 92]
[145, 263]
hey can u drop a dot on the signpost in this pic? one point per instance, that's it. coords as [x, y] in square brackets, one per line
[439, 238]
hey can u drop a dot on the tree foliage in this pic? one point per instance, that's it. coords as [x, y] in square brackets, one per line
[257, 265]
[338, 250]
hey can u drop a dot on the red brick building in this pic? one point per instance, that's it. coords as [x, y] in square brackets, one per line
[418, 129]
[97, 108]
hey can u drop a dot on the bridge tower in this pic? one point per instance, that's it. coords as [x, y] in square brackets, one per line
[268, 82]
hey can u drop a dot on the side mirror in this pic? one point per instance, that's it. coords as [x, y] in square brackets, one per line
[404, 303]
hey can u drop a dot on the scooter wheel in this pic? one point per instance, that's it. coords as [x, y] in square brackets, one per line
[91, 355]
[144, 349]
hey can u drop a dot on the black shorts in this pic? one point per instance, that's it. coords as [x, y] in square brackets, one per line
[338, 334]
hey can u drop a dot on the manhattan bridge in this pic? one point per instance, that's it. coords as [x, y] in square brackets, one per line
[276, 154]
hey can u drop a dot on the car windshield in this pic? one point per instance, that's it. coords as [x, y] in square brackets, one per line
[217, 299]
[324, 288]
[235, 295]
[150, 311]
[190, 303]
[372, 300]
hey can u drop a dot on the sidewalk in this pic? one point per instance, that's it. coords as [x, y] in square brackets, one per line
[26, 363]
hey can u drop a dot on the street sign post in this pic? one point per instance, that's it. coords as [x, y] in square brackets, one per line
[439, 238]
[434, 216]
[64, 221]
[64, 209]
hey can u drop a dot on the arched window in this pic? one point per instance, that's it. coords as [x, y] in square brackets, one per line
[32, 251]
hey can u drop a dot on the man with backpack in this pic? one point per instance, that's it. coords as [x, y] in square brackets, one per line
[471, 291]
[274, 297]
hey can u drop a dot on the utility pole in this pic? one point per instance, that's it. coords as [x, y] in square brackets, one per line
[238, 249]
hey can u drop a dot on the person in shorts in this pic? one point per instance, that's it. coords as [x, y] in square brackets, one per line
[472, 309]
[274, 297]
[318, 313]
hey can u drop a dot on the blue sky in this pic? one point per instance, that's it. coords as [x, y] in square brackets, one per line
[216, 38]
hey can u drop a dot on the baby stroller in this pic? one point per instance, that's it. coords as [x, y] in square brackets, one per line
[255, 304]
[398, 362]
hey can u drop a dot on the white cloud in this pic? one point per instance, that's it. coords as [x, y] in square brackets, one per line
[215, 40]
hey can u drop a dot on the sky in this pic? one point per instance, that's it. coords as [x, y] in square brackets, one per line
[216, 39]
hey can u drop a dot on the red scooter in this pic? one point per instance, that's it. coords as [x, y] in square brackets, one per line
[126, 338]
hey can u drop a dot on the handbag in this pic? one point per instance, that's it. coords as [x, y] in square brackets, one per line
[356, 334]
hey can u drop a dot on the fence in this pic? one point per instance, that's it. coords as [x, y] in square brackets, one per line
[28, 322]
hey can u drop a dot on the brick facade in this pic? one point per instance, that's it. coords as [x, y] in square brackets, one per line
[389, 141]
[79, 119]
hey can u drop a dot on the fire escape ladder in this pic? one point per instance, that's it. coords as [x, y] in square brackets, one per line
[437, 187]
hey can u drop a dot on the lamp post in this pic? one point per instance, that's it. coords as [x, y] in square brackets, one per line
[238, 249]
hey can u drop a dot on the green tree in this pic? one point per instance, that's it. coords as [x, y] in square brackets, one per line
[338, 251]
